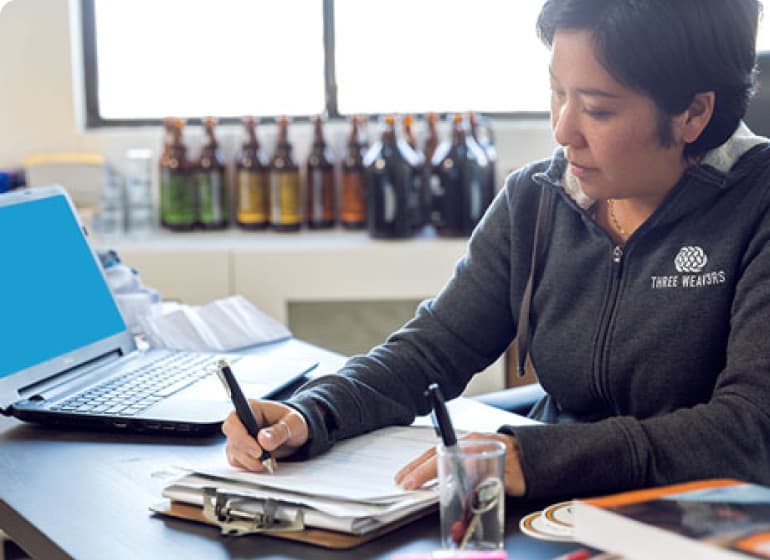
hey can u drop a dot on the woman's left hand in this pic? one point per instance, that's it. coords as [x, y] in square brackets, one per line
[423, 469]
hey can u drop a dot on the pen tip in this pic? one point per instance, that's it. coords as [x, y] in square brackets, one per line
[268, 464]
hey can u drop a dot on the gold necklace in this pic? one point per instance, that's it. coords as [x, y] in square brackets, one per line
[615, 223]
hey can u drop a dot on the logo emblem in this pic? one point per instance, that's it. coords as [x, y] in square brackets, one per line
[690, 259]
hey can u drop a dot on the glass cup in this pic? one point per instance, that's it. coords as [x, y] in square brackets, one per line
[471, 494]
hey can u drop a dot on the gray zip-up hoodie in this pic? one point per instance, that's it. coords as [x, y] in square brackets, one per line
[656, 355]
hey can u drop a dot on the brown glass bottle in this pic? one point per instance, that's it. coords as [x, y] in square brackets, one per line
[460, 166]
[285, 202]
[482, 133]
[353, 207]
[408, 122]
[251, 181]
[431, 137]
[391, 166]
[418, 200]
[211, 182]
[430, 181]
[177, 190]
[319, 181]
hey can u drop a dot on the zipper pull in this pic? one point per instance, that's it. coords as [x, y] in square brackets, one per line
[617, 254]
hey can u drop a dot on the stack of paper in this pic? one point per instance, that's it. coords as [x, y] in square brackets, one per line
[349, 489]
[223, 325]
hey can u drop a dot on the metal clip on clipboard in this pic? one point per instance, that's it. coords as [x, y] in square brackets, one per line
[227, 511]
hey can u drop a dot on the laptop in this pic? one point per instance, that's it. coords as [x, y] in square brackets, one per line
[66, 355]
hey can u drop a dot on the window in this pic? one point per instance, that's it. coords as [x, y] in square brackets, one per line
[145, 59]
[196, 57]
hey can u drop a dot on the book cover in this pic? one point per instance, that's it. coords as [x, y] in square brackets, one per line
[710, 519]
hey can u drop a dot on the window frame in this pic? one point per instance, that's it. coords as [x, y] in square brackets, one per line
[94, 120]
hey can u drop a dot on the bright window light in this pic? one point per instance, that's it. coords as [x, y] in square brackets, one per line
[763, 38]
[404, 56]
[196, 57]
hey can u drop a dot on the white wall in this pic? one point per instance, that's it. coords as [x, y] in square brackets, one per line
[40, 112]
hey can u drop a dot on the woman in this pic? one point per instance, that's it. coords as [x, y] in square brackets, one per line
[649, 303]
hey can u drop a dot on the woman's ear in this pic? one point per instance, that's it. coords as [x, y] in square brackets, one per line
[697, 116]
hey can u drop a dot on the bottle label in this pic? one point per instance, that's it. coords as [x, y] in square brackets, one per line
[211, 194]
[475, 209]
[252, 192]
[285, 199]
[178, 200]
[317, 195]
[388, 202]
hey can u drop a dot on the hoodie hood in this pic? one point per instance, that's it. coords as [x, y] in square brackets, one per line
[721, 159]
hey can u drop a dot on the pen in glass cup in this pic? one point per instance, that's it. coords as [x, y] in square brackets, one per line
[243, 410]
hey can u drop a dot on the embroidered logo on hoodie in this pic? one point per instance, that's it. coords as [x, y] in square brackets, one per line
[689, 263]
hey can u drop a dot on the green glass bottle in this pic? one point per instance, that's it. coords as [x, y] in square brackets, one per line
[211, 182]
[177, 191]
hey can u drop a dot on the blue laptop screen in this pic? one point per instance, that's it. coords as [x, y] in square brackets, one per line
[53, 297]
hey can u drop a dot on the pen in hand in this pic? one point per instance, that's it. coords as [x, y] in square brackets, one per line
[243, 410]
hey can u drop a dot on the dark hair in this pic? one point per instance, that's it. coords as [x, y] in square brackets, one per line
[671, 50]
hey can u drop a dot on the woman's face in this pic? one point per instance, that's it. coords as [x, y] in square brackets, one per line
[609, 131]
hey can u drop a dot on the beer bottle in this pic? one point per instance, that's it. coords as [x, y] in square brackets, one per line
[482, 133]
[211, 182]
[353, 207]
[319, 181]
[418, 199]
[391, 166]
[251, 181]
[177, 190]
[285, 203]
[460, 165]
[431, 138]
[430, 181]
[408, 122]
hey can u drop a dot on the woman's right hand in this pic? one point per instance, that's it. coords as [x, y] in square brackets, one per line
[284, 430]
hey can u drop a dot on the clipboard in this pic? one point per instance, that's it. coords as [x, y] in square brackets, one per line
[318, 537]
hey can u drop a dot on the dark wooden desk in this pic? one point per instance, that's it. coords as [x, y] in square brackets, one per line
[86, 495]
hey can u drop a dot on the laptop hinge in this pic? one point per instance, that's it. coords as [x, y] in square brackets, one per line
[75, 373]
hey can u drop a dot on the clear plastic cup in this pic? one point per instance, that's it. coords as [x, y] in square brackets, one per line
[472, 495]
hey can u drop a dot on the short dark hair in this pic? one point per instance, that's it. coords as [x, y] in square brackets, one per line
[671, 50]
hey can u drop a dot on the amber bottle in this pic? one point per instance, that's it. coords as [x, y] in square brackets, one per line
[391, 167]
[251, 181]
[408, 123]
[457, 197]
[211, 182]
[418, 198]
[482, 133]
[353, 207]
[285, 202]
[431, 137]
[319, 182]
[177, 189]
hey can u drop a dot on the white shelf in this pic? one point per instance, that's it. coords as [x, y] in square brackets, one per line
[272, 269]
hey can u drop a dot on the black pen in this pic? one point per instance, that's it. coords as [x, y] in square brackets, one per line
[443, 425]
[441, 420]
[242, 409]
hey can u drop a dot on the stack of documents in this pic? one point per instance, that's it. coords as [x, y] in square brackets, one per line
[223, 325]
[350, 489]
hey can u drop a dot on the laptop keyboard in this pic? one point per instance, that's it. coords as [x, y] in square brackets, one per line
[132, 392]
